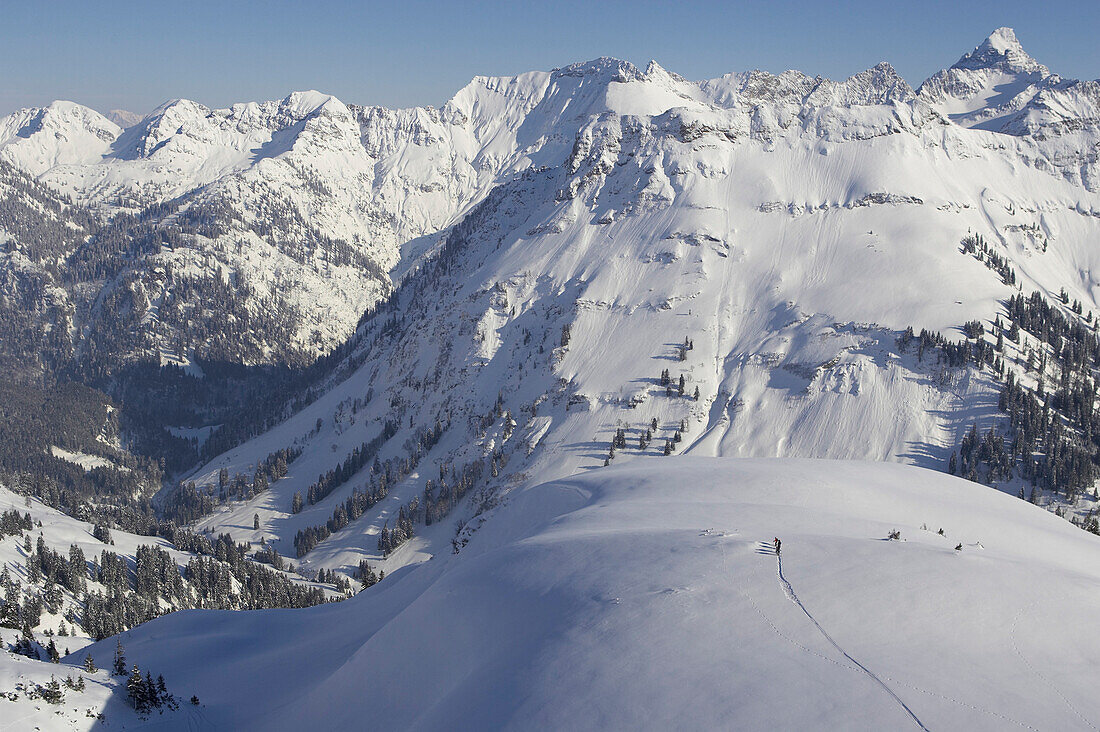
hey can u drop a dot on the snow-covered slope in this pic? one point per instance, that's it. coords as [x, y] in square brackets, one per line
[647, 597]
[792, 250]
[61, 134]
[61, 617]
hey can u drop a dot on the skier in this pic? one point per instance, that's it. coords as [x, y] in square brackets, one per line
[777, 543]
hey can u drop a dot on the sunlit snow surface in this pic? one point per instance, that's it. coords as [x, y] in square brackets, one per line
[648, 597]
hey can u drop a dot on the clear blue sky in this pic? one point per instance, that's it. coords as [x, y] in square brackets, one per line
[134, 55]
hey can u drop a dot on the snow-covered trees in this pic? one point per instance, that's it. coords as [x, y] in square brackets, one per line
[365, 574]
[119, 666]
[146, 695]
[359, 457]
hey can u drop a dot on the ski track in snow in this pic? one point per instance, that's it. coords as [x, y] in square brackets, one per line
[794, 598]
[1016, 650]
[764, 547]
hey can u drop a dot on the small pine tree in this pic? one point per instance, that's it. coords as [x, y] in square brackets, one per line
[51, 652]
[24, 647]
[256, 521]
[120, 659]
[89, 664]
[136, 691]
[163, 697]
[51, 692]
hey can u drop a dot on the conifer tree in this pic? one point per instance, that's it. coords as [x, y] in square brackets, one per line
[120, 659]
[137, 691]
[51, 692]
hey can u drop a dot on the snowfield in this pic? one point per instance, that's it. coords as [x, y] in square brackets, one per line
[648, 597]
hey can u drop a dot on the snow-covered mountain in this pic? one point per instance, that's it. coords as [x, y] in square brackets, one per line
[308, 203]
[124, 118]
[999, 87]
[603, 264]
[791, 245]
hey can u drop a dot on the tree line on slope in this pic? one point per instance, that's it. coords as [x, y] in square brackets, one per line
[1052, 442]
[221, 577]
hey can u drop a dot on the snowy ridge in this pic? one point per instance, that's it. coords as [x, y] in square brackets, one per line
[578, 590]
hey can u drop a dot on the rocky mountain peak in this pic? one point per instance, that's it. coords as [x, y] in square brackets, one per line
[1001, 51]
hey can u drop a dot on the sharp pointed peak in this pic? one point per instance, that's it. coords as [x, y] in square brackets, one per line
[1000, 50]
[1002, 40]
